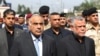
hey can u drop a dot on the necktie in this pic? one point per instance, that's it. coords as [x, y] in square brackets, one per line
[37, 46]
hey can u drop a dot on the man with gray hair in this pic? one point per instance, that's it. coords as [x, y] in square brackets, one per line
[76, 44]
[34, 42]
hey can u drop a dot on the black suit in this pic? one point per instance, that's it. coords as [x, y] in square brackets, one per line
[63, 32]
[69, 47]
[24, 46]
[0, 25]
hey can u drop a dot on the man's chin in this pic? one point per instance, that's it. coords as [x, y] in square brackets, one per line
[82, 35]
[56, 27]
[38, 34]
[45, 20]
[10, 26]
[96, 22]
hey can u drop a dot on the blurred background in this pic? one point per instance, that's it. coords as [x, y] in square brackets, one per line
[71, 7]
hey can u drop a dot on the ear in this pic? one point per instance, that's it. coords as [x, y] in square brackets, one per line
[71, 27]
[88, 18]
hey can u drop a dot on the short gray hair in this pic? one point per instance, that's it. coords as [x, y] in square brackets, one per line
[72, 19]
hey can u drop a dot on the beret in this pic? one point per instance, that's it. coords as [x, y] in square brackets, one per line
[28, 16]
[63, 15]
[84, 13]
[91, 11]
[44, 10]
[21, 15]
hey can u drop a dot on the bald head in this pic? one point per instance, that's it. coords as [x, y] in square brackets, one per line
[36, 25]
[35, 17]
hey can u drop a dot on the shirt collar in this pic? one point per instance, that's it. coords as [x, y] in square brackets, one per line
[54, 32]
[9, 32]
[22, 24]
[34, 38]
[91, 26]
[76, 37]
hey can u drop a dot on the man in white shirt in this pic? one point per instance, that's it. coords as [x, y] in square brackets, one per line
[34, 42]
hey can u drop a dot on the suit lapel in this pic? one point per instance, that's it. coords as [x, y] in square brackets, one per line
[62, 32]
[74, 44]
[51, 32]
[31, 45]
[16, 33]
[4, 35]
[45, 44]
[87, 46]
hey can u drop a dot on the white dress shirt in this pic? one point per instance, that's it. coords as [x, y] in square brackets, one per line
[39, 43]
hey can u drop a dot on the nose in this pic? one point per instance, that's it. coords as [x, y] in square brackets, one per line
[39, 26]
[83, 28]
[11, 19]
[45, 18]
[96, 17]
[58, 21]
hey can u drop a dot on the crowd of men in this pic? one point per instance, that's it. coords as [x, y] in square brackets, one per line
[50, 34]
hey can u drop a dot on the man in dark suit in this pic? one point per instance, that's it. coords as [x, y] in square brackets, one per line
[56, 31]
[34, 42]
[76, 44]
[8, 33]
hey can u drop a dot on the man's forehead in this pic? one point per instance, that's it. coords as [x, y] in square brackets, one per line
[36, 20]
[78, 22]
[94, 14]
[44, 14]
[55, 16]
[11, 13]
[35, 17]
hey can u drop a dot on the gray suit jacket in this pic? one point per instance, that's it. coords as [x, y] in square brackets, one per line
[3, 40]
[24, 46]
